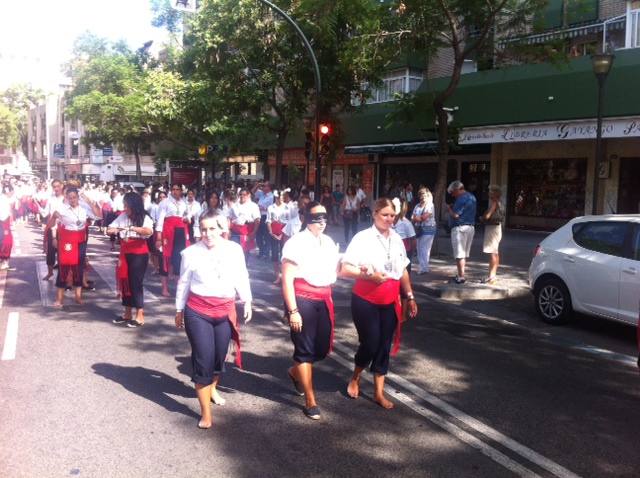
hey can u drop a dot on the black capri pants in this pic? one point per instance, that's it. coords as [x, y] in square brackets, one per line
[137, 264]
[312, 343]
[209, 338]
[376, 325]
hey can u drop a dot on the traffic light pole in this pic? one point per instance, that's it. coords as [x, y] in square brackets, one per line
[318, 84]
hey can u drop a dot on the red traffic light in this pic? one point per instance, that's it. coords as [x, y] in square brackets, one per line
[325, 129]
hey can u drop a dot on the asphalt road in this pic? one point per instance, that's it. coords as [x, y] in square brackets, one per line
[481, 389]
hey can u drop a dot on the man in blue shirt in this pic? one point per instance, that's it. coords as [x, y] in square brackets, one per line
[463, 219]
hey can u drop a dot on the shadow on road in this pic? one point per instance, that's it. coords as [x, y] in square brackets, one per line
[150, 384]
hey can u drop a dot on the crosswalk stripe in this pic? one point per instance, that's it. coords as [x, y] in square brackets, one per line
[11, 337]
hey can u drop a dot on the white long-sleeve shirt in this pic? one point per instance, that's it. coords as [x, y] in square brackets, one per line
[168, 208]
[217, 272]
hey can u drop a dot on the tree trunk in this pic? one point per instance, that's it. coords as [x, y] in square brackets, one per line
[282, 138]
[443, 159]
[136, 152]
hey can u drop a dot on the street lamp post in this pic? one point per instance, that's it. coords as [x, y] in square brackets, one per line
[318, 86]
[601, 63]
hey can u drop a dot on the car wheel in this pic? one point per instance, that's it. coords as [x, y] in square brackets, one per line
[553, 301]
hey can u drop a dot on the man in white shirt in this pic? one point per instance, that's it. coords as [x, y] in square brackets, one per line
[245, 220]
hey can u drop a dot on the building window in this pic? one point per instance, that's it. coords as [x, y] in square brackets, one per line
[634, 27]
[396, 82]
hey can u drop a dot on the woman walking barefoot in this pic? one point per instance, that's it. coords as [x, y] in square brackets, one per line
[377, 259]
[212, 272]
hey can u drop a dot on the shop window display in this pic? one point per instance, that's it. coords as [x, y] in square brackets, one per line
[544, 194]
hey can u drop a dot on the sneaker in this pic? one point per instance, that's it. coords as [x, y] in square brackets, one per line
[459, 280]
[312, 412]
[134, 324]
[120, 320]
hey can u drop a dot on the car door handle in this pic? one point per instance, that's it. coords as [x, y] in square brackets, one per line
[630, 270]
[569, 259]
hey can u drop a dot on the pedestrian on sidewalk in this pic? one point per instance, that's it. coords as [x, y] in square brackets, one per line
[463, 218]
[310, 262]
[212, 272]
[493, 218]
[350, 212]
[376, 258]
[338, 197]
[424, 222]
[134, 228]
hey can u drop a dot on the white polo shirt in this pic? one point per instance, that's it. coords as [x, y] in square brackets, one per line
[316, 257]
[242, 214]
[369, 248]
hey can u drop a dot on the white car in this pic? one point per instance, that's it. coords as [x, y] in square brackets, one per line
[589, 265]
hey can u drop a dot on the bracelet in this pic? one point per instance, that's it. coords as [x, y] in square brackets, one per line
[410, 296]
[294, 311]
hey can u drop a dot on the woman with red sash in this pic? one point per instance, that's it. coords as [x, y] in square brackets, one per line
[6, 238]
[245, 219]
[212, 272]
[172, 234]
[377, 259]
[309, 269]
[134, 228]
[71, 243]
[276, 219]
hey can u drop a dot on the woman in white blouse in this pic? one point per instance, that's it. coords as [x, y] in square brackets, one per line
[377, 259]
[309, 269]
[71, 242]
[134, 228]
[425, 225]
[212, 272]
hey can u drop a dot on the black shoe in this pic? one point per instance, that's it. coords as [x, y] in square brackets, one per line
[120, 320]
[134, 324]
[459, 280]
[312, 412]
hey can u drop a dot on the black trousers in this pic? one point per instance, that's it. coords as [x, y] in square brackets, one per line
[209, 338]
[137, 264]
[51, 251]
[375, 325]
[262, 237]
[312, 343]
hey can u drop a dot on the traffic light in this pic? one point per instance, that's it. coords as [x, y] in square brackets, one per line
[325, 139]
[308, 145]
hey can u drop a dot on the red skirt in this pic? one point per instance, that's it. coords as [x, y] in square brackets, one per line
[168, 234]
[7, 239]
[69, 252]
[244, 231]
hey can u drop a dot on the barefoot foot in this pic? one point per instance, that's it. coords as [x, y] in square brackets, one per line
[57, 305]
[47, 277]
[383, 402]
[353, 389]
[204, 424]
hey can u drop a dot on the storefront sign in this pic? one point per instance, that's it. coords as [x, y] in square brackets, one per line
[185, 176]
[567, 130]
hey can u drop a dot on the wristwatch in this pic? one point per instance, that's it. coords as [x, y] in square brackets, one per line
[411, 297]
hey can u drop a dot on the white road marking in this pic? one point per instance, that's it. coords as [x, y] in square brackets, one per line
[44, 285]
[108, 274]
[11, 337]
[439, 420]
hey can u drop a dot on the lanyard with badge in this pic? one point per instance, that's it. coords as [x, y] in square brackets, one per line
[388, 266]
[77, 215]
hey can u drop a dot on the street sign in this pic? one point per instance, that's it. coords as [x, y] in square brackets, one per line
[107, 151]
[202, 150]
[58, 151]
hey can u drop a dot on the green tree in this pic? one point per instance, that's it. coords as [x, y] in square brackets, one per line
[468, 29]
[109, 97]
[19, 99]
[9, 131]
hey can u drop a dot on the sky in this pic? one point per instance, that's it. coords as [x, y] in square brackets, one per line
[36, 36]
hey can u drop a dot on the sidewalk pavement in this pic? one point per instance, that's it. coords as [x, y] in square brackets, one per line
[516, 251]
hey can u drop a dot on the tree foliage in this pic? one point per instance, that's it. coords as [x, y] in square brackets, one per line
[9, 132]
[18, 99]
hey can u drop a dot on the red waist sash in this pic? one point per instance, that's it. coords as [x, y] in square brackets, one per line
[131, 246]
[276, 228]
[69, 246]
[169, 227]
[244, 231]
[383, 294]
[215, 308]
[307, 291]
[7, 239]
